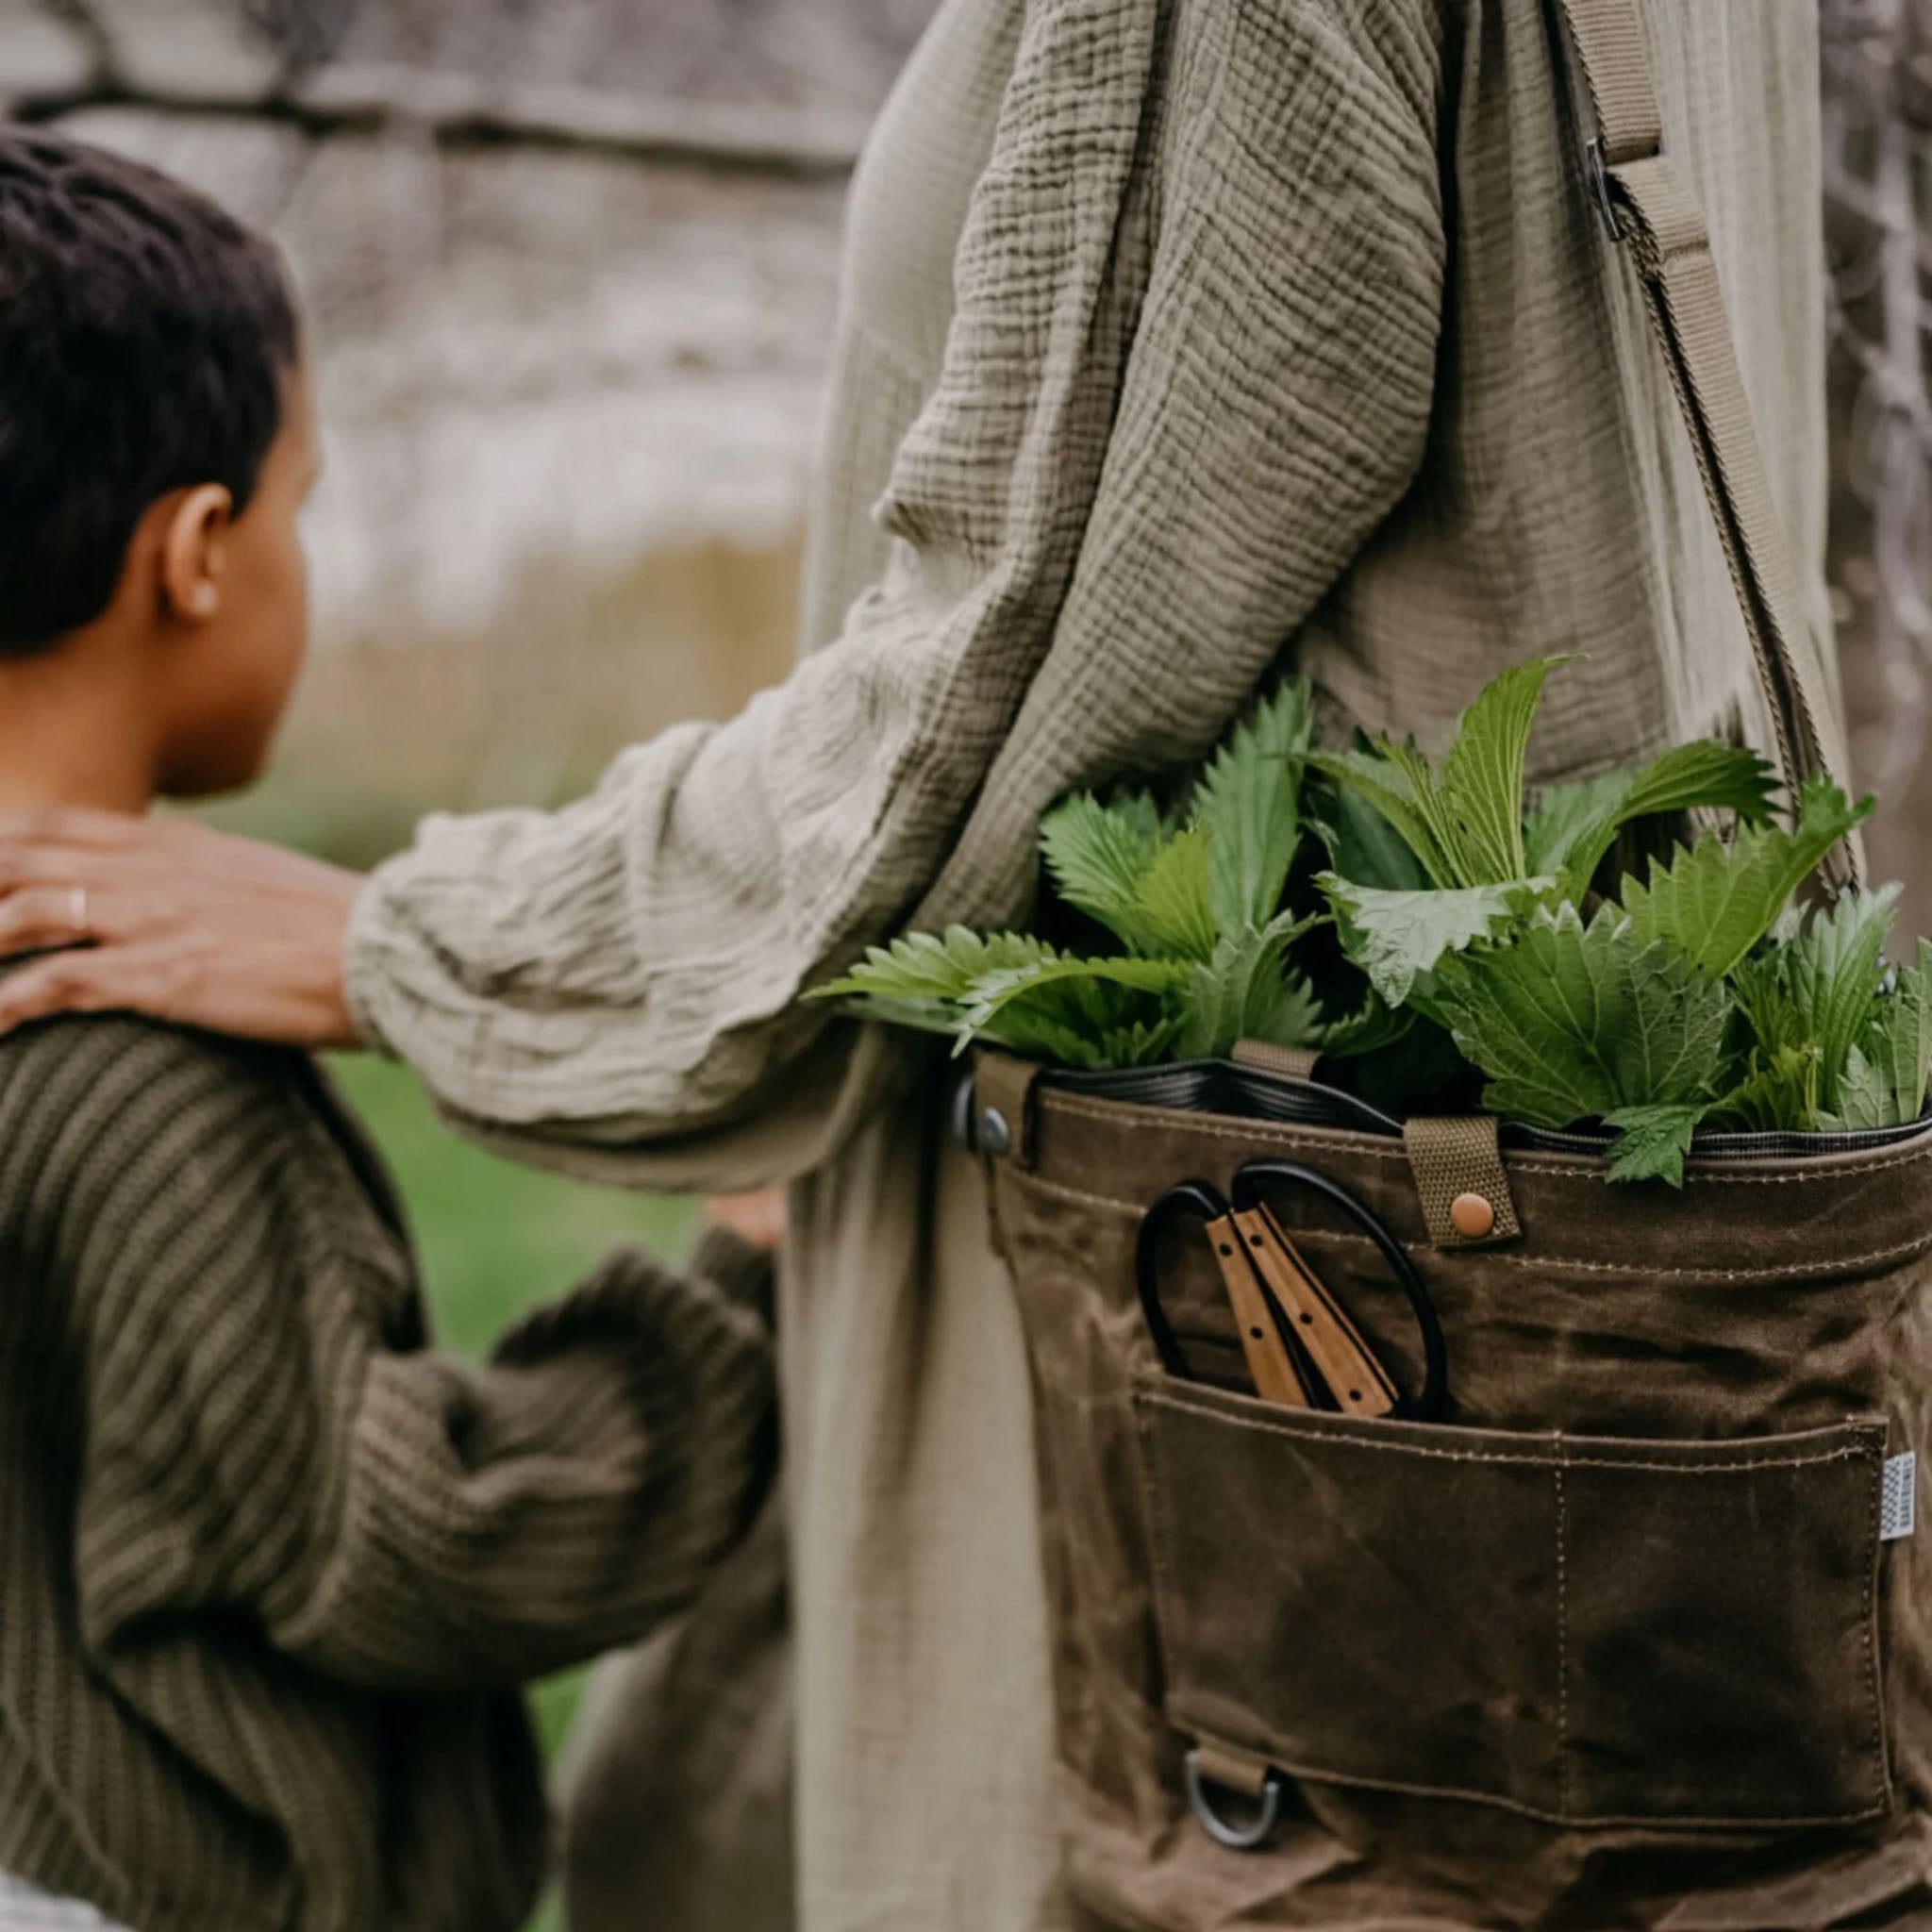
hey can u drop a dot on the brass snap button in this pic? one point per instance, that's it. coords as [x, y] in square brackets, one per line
[1472, 1216]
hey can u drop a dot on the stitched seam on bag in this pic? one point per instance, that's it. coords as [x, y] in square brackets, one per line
[1669, 1821]
[1562, 1644]
[1134, 1119]
[1836, 1263]
[1850, 1452]
[1164, 1596]
[1866, 1621]
[1141, 1120]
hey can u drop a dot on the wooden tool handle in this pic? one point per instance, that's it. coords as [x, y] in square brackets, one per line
[1356, 1380]
[1269, 1364]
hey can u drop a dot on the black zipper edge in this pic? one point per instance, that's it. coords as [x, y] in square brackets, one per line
[1223, 1086]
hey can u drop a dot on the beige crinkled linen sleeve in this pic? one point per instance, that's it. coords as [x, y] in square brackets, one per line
[1189, 371]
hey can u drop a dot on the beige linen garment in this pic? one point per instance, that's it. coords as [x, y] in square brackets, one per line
[1181, 340]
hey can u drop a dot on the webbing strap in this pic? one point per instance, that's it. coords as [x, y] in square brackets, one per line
[1648, 207]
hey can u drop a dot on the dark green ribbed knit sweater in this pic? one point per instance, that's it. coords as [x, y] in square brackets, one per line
[269, 1564]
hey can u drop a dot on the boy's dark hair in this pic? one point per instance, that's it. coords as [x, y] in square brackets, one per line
[145, 338]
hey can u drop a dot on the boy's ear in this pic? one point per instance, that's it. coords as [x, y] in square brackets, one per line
[193, 551]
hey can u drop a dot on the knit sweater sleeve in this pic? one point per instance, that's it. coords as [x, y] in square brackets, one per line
[1190, 370]
[270, 1436]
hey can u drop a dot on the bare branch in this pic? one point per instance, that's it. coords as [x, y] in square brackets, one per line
[458, 110]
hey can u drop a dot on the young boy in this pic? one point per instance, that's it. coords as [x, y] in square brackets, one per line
[269, 1566]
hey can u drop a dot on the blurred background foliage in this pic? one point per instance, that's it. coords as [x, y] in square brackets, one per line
[571, 267]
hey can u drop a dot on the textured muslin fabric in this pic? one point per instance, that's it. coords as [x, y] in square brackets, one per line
[1180, 342]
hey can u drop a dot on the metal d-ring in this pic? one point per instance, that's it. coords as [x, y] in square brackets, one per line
[1236, 1837]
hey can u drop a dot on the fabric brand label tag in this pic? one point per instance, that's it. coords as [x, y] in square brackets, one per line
[1898, 1497]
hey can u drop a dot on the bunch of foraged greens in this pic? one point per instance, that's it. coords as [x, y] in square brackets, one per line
[1197, 950]
[1700, 995]
[1477, 936]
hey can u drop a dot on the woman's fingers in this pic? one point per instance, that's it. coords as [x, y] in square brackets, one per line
[62, 983]
[35, 917]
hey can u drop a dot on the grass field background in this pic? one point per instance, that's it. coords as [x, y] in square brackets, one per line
[495, 1239]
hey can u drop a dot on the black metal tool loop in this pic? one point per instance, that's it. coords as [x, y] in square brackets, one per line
[1198, 1201]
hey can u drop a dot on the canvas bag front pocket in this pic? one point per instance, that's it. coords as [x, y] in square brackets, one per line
[1588, 1632]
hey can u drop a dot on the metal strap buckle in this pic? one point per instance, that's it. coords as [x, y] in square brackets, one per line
[1600, 186]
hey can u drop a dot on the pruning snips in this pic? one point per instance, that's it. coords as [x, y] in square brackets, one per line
[1301, 1348]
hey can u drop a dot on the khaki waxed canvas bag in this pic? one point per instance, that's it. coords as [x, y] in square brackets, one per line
[1641, 1635]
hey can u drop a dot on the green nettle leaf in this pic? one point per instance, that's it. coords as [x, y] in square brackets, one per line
[1776, 1092]
[1716, 901]
[1574, 826]
[1571, 1023]
[1373, 1026]
[1144, 1043]
[1175, 908]
[1385, 777]
[1098, 855]
[1364, 848]
[1481, 781]
[1246, 992]
[1887, 1074]
[1652, 1141]
[1568, 816]
[1067, 978]
[1248, 804]
[1865, 1098]
[924, 967]
[1831, 973]
[1396, 938]
[1463, 819]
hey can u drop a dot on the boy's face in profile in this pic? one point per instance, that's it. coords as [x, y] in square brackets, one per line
[225, 677]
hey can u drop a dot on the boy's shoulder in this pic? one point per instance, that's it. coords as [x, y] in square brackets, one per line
[98, 1063]
[97, 1104]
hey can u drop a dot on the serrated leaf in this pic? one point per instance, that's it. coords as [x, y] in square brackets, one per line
[1706, 773]
[996, 992]
[1652, 1141]
[1384, 780]
[1886, 1073]
[1174, 909]
[1831, 974]
[1248, 804]
[1144, 1043]
[1865, 1098]
[1246, 992]
[1574, 826]
[1716, 901]
[1569, 1022]
[1776, 1092]
[1396, 938]
[1903, 1036]
[923, 967]
[1365, 848]
[1097, 855]
[1373, 1026]
[1567, 815]
[1481, 783]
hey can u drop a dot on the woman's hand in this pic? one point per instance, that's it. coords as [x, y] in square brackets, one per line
[179, 921]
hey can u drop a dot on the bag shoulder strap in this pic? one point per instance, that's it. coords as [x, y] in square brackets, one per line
[1649, 210]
